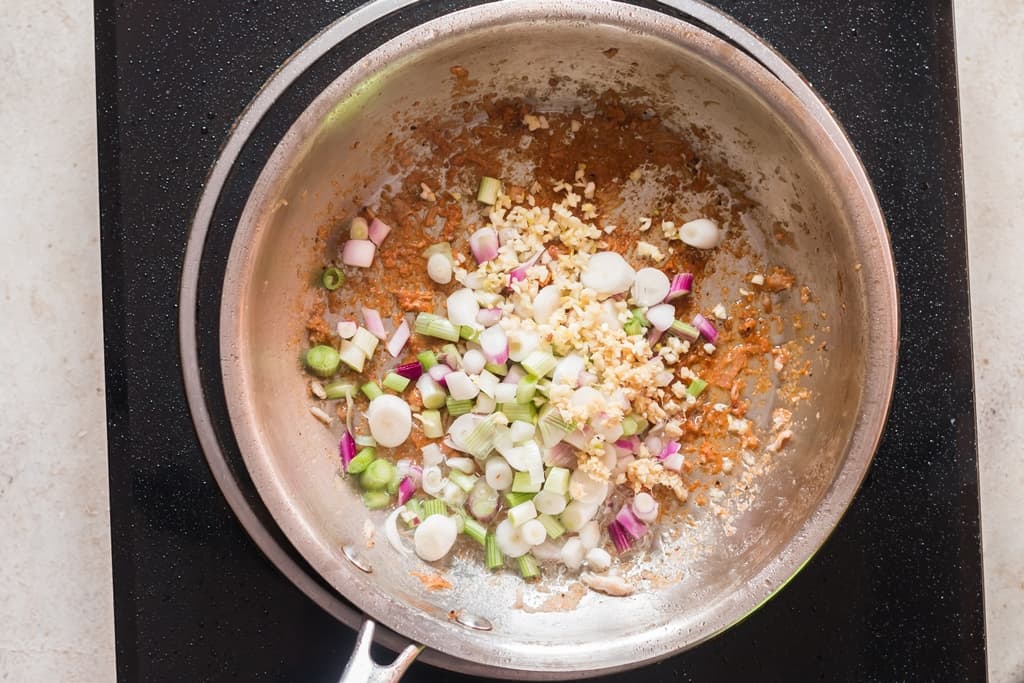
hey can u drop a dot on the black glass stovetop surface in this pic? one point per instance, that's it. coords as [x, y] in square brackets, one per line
[896, 592]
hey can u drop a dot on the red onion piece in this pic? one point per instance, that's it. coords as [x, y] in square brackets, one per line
[619, 537]
[494, 343]
[673, 462]
[670, 448]
[489, 316]
[347, 449]
[399, 339]
[706, 328]
[410, 371]
[630, 444]
[358, 253]
[374, 323]
[406, 488]
[439, 372]
[484, 244]
[630, 524]
[378, 231]
[561, 454]
[519, 272]
[682, 285]
[653, 335]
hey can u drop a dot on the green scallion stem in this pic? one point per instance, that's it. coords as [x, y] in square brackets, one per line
[435, 326]
[377, 475]
[480, 442]
[323, 360]
[375, 500]
[469, 333]
[514, 499]
[371, 390]
[434, 506]
[552, 525]
[557, 480]
[464, 481]
[475, 530]
[524, 412]
[685, 330]
[528, 566]
[365, 341]
[629, 426]
[427, 359]
[332, 278]
[696, 388]
[488, 190]
[336, 390]
[396, 382]
[456, 408]
[499, 370]
[526, 389]
[493, 557]
[364, 440]
[539, 363]
[522, 482]
[415, 507]
[362, 460]
[432, 426]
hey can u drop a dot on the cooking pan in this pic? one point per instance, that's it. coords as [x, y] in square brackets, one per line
[762, 119]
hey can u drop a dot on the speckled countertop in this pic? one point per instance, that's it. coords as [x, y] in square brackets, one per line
[55, 591]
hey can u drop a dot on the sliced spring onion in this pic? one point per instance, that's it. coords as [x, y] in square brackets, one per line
[439, 248]
[549, 503]
[487, 193]
[525, 458]
[398, 340]
[630, 425]
[371, 390]
[683, 330]
[607, 273]
[523, 412]
[431, 393]
[339, 389]
[432, 325]
[551, 525]
[439, 268]
[629, 523]
[462, 307]
[514, 499]
[464, 481]
[332, 278]
[427, 360]
[376, 500]
[526, 389]
[650, 287]
[533, 532]
[465, 465]
[484, 244]
[391, 529]
[480, 441]
[522, 513]
[636, 324]
[706, 328]
[346, 449]
[696, 388]
[361, 461]
[390, 420]
[489, 316]
[590, 534]
[358, 253]
[521, 430]
[557, 481]
[453, 495]
[521, 343]
[433, 481]
[598, 559]
[562, 454]
[553, 428]
[498, 473]
[366, 341]
[682, 284]
[576, 514]
[546, 303]
[358, 228]
[460, 386]
[482, 501]
[505, 393]
[645, 507]
[434, 537]
[364, 440]
[456, 408]
[528, 567]
[539, 363]
[702, 233]
[377, 475]
[410, 371]
[522, 482]
[661, 316]
[346, 328]
[352, 356]
[493, 557]
[374, 323]
[413, 513]
[499, 369]
[572, 553]
[323, 360]
[494, 344]
[377, 231]
[395, 382]
[475, 530]
[434, 506]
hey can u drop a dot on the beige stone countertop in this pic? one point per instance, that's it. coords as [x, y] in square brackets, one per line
[56, 612]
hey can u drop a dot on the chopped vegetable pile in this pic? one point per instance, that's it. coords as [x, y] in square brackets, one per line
[549, 394]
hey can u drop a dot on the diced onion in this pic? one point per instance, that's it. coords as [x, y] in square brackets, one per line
[473, 362]
[484, 244]
[358, 253]
[460, 386]
[661, 316]
[650, 287]
[576, 514]
[398, 341]
[462, 307]
[391, 531]
[378, 230]
[390, 420]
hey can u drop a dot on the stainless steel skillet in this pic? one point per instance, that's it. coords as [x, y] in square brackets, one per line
[770, 121]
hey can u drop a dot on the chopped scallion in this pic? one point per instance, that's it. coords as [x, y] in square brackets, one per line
[431, 421]
[488, 191]
[522, 482]
[528, 566]
[435, 326]
[557, 480]
[539, 363]
[371, 390]
[475, 530]
[480, 442]
[336, 390]
[361, 461]
[352, 356]
[464, 481]
[434, 506]
[366, 341]
[500, 370]
[364, 440]
[493, 557]
[396, 382]
[514, 499]
[551, 525]
[696, 388]
[456, 408]
[427, 359]
[375, 500]
[332, 278]
[323, 360]
[469, 333]
[524, 412]
[526, 389]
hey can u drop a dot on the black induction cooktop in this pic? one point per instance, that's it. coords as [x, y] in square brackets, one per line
[895, 594]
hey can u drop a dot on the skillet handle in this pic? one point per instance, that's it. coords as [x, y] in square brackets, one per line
[362, 669]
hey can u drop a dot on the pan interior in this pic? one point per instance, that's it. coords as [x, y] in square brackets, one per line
[336, 159]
